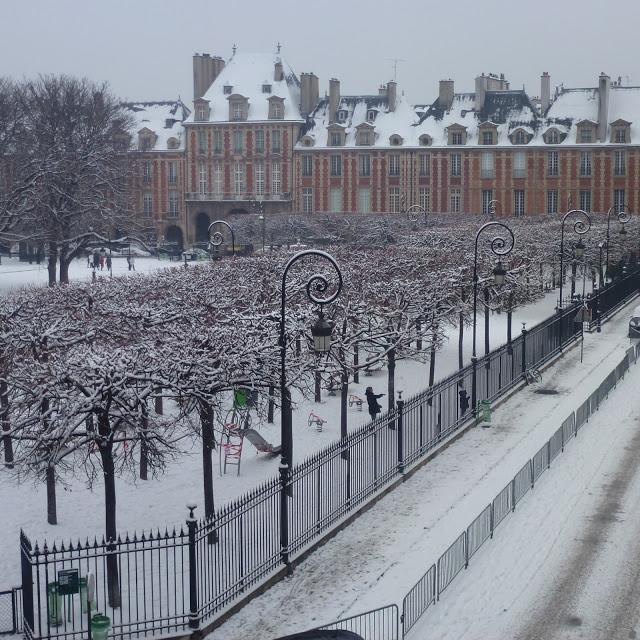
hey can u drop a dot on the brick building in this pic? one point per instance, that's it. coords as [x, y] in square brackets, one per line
[257, 133]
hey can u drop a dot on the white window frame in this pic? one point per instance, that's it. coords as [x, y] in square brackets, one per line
[238, 141]
[218, 177]
[147, 171]
[307, 165]
[364, 165]
[487, 162]
[455, 165]
[147, 204]
[236, 111]
[455, 200]
[552, 201]
[487, 137]
[619, 200]
[259, 140]
[174, 203]
[238, 178]
[276, 141]
[619, 162]
[553, 164]
[394, 199]
[307, 200]
[585, 164]
[276, 178]
[335, 199]
[424, 198]
[585, 199]
[217, 141]
[425, 164]
[202, 178]
[487, 197]
[259, 177]
[335, 162]
[520, 164]
[519, 202]
[364, 200]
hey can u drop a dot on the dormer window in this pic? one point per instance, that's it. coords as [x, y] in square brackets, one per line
[146, 140]
[307, 141]
[456, 135]
[172, 143]
[520, 136]
[336, 139]
[238, 107]
[585, 132]
[425, 140]
[364, 138]
[552, 136]
[276, 108]
[342, 115]
[227, 89]
[620, 136]
[276, 111]
[487, 137]
[202, 112]
[620, 132]
[371, 115]
[236, 111]
[266, 88]
[395, 140]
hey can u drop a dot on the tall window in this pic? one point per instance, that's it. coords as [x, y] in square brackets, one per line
[276, 110]
[425, 164]
[620, 163]
[276, 178]
[307, 165]
[336, 199]
[237, 141]
[394, 164]
[146, 171]
[259, 140]
[236, 111]
[336, 165]
[620, 136]
[218, 177]
[172, 172]
[307, 200]
[518, 202]
[553, 137]
[259, 171]
[394, 199]
[336, 139]
[364, 200]
[202, 178]
[275, 141]
[553, 168]
[217, 141]
[585, 163]
[455, 201]
[147, 204]
[456, 137]
[202, 113]
[619, 201]
[519, 164]
[424, 198]
[202, 141]
[520, 137]
[585, 200]
[487, 137]
[586, 135]
[487, 197]
[174, 203]
[364, 162]
[238, 178]
[455, 160]
[552, 201]
[486, 164]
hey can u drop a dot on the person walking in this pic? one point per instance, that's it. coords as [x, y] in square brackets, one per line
[103, 255]
[96, 259]
[372, 401]
[108, 261]
[132, 263]
[463, 397]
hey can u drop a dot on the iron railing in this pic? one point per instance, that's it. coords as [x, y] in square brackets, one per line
[11, 611]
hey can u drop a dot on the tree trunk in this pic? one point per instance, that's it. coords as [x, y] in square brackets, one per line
[344, 393]
[391, 367]
[574, 269]
[509, 318]
[52, 513]
[419, 335]
[208, 445]
[486, 321]
[108, 468]
[356, 363]
[432, 363]
[271, 405]
[4, 419]
[64, 268]
[144, 445]
[461, 332]
[51, 263]
[317, 386]
[157, 401]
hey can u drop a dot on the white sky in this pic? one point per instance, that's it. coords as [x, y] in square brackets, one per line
[144, 47]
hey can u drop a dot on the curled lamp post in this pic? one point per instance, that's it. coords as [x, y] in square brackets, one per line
[623, 218]
[492, 207]
[580, 227]
[316, 290]
[415, 211]
[500, 246]
[217, 238]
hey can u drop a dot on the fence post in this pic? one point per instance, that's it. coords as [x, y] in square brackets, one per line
[513, 495]
[491, 518]
[194, 622]
[27, 583]
[474, 386]
[524, 348]
[548, 454]
[399, 422]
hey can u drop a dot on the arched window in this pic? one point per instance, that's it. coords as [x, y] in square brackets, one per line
[425, 140]
[395, 141]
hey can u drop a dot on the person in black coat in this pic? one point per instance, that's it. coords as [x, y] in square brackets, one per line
[464, 400]
[372, 401]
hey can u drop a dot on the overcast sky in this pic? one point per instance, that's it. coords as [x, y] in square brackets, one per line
[143, 48]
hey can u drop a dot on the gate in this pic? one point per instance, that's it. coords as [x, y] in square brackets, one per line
[11, 611]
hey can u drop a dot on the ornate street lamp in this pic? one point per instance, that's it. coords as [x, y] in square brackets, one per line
[217, 238]
[321, 330]
[580, 226]
[623, 218]
[258, 205]
[492, 207]
[415, 211]
[500, 246]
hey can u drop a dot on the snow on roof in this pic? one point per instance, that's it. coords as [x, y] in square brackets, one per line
[155, 116]
[246, 73]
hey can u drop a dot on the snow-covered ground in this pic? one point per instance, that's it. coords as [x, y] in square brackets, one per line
[381, 555]
[161, 502]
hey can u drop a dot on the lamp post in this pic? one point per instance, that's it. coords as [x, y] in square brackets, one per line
[217, 238]
[492, 207]
[317, 285]
[623, 218]
[110, 254]
[500, 246]
[580, 226]
[601, 246]
[258, 205]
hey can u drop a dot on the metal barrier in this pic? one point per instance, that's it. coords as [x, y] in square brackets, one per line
[377, 624]
[478, 531]
[451, 562]
[11, 611]
[422, 595]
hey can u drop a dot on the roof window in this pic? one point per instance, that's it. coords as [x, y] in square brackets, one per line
[395, 141]
[342, 115]
[266, 88]
[227, 89]
[371, 115]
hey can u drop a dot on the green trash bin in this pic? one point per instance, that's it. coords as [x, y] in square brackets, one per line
[485, 412]
[100, 626]
[54, 600]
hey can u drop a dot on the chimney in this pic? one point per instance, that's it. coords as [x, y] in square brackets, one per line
[309, 92]
[382, 90]
[545, 92]
[205, 70]
[334, 99]
[392, 88]
[278, 74]
[314, 90]
[445, 94]
[481, 90]
[604, 89]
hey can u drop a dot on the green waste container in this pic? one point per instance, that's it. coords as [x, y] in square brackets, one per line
[54, 600]
[485, 412]
[100, 626]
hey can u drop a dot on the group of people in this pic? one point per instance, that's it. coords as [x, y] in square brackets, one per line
[98, 260]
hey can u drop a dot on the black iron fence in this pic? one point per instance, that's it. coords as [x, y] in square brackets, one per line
[378, 624]
[171, 582]
[11, 611]
[613, 296]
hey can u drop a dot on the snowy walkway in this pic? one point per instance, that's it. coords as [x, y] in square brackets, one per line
[377, 559]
